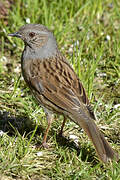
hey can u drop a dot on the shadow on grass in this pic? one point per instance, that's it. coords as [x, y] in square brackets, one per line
[86, 154]
[22, 124]
[10, 123]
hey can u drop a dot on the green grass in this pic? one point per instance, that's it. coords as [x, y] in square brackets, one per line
[88, 34]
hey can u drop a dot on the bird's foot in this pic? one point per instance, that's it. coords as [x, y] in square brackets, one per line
[44, 145]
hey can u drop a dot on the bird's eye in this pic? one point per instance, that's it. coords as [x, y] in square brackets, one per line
[31, 34]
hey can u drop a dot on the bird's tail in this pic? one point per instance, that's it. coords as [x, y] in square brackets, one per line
[103, 149]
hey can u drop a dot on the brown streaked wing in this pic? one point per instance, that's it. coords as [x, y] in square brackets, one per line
[60, 83]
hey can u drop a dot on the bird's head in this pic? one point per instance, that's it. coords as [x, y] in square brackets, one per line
[34, 35]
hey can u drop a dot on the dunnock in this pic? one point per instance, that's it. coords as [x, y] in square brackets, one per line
[56, 86]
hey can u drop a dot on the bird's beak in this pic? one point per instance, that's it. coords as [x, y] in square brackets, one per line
[16, 34]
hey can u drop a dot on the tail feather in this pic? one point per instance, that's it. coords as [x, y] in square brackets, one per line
[111, 154]
[103, 149]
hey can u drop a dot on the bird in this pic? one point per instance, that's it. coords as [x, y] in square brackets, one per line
[56, 86]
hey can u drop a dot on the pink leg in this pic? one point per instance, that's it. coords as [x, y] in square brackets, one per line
[50, 118]
[63, 124]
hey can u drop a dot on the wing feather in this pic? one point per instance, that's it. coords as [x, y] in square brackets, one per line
[58, 83]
